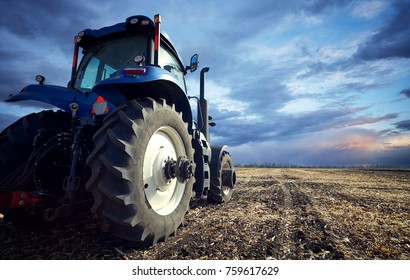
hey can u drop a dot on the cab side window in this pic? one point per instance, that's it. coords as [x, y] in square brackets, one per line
[171, 64]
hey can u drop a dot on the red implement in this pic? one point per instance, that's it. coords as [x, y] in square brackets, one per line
[17, 199]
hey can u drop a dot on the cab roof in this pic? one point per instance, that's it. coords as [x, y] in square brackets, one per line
[133, 25]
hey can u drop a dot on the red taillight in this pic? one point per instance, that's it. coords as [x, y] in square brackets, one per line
[134, 71]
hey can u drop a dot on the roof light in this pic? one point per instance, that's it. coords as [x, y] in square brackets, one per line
[134, 71]
[80, 35]
[40, 79]
[134, 21]
[145, 22]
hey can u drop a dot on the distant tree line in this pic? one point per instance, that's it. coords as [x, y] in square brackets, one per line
[285, 165]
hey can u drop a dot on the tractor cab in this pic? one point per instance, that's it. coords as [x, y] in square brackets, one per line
[127, 48]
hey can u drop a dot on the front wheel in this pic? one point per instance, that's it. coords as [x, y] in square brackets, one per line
[142, 171]
[223, 176]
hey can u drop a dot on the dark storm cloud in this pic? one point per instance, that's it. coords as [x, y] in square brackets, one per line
[404, 125]
[252, 18]
[48, 18]
[274, 126]
[270, 124]
[25, 68]
[361, 87]
[365, 120]
[406, 92]
[321, 6]
[288, 127]
[247, 19]
[264, 96]
[399, 157]
[393, 39]
[9, 75]
[11, 81]
[314, 68]
[237, 132]
[32, 29]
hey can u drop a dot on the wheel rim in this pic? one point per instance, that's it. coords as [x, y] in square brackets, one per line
[163, 194]
[225, 189]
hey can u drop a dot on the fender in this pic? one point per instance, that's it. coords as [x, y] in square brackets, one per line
[149, 81]
[58, 96]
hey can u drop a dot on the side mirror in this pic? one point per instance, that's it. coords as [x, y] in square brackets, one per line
[194, 63]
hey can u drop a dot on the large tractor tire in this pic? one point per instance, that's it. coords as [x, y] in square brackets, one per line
[223, 176]
[16, 141]
[142, 171]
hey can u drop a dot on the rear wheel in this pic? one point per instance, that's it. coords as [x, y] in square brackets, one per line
[142, 171]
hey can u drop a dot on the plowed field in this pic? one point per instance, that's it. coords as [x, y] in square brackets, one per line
[274, 214]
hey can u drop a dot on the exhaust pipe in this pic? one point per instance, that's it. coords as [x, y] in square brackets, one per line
[202, 114]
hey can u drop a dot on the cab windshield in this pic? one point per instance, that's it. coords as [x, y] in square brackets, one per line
[100, 62]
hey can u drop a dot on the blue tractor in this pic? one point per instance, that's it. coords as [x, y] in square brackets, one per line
[124, 145]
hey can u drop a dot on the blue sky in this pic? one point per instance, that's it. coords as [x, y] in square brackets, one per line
[291, 82]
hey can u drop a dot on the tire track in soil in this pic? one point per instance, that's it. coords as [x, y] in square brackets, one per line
[307, 234]
[285, 247]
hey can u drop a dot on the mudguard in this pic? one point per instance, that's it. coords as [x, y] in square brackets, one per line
[154, 82]
[58, 96]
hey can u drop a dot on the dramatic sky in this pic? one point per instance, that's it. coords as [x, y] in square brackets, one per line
[293, 82]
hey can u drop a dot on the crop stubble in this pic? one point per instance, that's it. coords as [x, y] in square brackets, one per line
[274, 214]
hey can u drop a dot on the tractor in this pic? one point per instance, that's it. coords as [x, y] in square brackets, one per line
[122, 142]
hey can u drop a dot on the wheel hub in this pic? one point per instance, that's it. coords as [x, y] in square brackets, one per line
[228, 177]
[183, 169]
[162, 172]
[169, 169]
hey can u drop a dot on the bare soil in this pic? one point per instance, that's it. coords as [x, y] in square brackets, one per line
[274, 214]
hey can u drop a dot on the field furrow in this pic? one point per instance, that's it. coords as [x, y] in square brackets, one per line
[274, 214]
